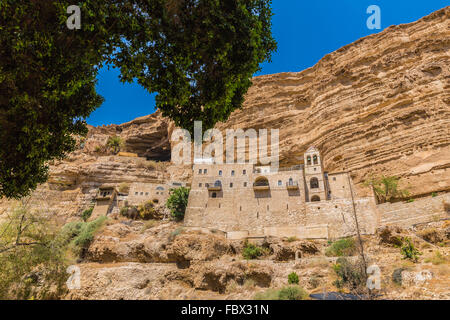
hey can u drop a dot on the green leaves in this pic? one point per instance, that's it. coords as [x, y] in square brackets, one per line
[177, 202]
[197, 55]
[386, 188]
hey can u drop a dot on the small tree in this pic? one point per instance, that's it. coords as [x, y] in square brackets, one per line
[293, 278]
[87, 214]
[386, 188]
[32, 260]
[409, 251]
[251, 251]
[177, 202]
[115, 143]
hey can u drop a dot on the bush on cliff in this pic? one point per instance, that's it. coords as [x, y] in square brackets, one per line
[409, 251]
[79, 235]
[350, 275]
[87, 214]
[293, 278]
[177, 202]
[342, 247]
[386, 188]
[251, 251]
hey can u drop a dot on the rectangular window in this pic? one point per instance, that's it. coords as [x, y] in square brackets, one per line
[244, 171]
[205, 171]
[199, 171]
[231, 185]
[245, 184]
[199, 184]
[232, 172]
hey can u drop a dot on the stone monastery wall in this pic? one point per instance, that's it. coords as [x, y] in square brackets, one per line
[405, 214]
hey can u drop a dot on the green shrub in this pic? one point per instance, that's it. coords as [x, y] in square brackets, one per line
[293, 278]
[292, 239]
[386, 188]
[79, 235]
[124, 211]
[350, 275]
[87, 214]
[114, 143]
[410, 200]
[409, 251]
[251, 251]
[285, 293]
[177, 202]
[147, 210]
[36, 270]
[342, 247]
[434, 194]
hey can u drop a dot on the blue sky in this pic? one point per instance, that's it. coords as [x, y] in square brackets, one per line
[304, 30]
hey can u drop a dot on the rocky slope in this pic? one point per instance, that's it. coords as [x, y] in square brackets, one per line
[164, 261]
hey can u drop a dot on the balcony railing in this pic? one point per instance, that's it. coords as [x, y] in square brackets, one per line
[292, 185]
[261, 185]
[215, 186]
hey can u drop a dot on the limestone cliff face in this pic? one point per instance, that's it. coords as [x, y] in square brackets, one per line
[147, 136]
[379, 105]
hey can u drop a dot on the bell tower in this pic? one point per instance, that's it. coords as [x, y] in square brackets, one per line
[314, 176]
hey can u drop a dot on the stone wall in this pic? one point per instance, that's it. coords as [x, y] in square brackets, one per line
[405, 214]
[339, 215]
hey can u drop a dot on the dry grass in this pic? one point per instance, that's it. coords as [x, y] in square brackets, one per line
[149, 164]
[437, 258]
[149, 224]
[124, 187]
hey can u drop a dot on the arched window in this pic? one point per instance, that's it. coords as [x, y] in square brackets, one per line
[220, 172]
[315, 160]
[217, 183]
[214, 195]
[314, 183]
[261, 181]
[291, 182]
[232, 172]
[308, 160]
[315, 198]
[279, 182]
[159, 188]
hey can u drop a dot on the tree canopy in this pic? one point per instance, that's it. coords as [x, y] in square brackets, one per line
[197, 55]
